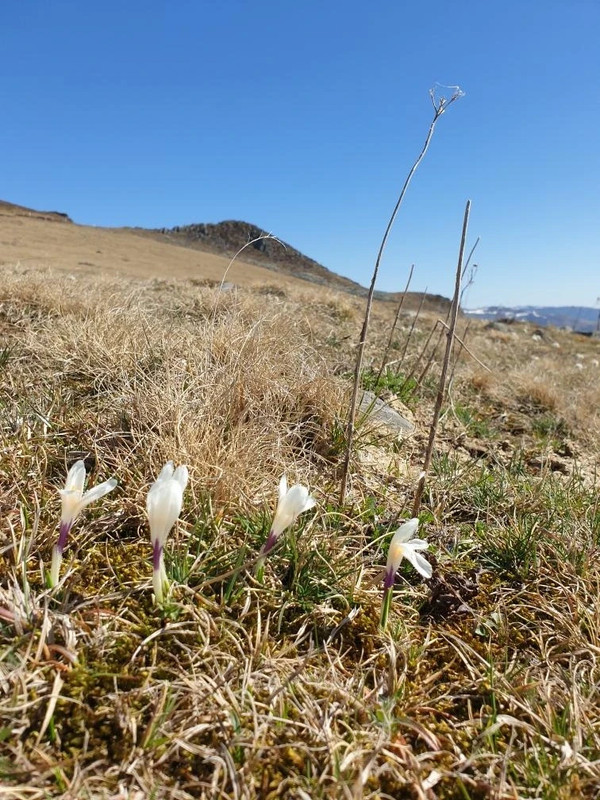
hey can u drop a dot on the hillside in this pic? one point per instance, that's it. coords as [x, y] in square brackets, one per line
[35, 239]
[197, 252]
[231, 236]
[13, 210]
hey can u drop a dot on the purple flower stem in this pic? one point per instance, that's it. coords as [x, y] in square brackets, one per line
[156, 555]
[63, 533]
[389, 579]
[269, 544]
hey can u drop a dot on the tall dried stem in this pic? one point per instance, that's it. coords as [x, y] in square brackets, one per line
[462, 346]
[393, 330]
[429, 361]
[410, 332]
[439, 107]
[442, 384]
[418, 359]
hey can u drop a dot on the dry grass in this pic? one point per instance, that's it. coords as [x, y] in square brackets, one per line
[485, 685]
[36, 241]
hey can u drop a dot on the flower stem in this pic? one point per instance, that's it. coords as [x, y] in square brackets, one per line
[385, 608]
[56, 562]
[157, 584]
[259, 569]
[160, 582]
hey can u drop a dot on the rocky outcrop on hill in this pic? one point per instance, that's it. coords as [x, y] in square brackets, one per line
[260, 247]
[13, 210]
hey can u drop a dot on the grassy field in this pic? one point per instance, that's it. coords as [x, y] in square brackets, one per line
[485, 683]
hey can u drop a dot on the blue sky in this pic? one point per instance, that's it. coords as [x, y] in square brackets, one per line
[304, 118]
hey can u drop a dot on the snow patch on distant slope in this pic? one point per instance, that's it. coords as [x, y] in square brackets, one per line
[584, 319]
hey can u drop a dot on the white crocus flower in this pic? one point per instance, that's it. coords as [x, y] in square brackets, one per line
[292, 502]
[403, 545]
[165, 499]
[74, 500]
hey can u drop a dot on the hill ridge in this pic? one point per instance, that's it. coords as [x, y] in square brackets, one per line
[224, 239]
[261, 247]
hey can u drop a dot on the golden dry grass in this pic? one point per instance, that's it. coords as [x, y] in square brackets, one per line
[35, 241]
[484, 685]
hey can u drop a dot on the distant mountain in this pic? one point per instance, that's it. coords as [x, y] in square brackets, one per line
[263, 249]
[77, 247]
[260, 247]
[577, 318]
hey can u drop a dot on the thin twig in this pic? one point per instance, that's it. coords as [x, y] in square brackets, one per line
[471, 274]
[441, 322]
[418, 359]
[393, 330]
[468, 261]
[442, 384]
[463, 345]
[439, 107]
[411, 331]
[429, 361]
[241, 250]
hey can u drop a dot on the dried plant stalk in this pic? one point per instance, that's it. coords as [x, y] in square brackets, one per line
[419, 358]
[393, 330]
[429, 361]
[463, 346]
[442, 384]
[439, 106]
[411, 331]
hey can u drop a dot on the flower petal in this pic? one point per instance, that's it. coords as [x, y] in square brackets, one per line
[71, 506]
[76, 478]
[310, 503]
[406, 531]
[418, 544]
[298, 500]
[96, 492]
[400, 538]
[295, 501]
[163, 504]
[282, 488]
[422, 566]
[181, 475]
[166, 472]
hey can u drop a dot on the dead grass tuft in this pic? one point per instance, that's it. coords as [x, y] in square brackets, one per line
[483, 382]
[537, 395]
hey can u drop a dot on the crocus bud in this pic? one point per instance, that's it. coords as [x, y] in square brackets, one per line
[292, 502]
[165, 499]
[74, 500]
[403, 546]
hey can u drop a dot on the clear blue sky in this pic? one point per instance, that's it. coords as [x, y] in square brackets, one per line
[304, 117]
